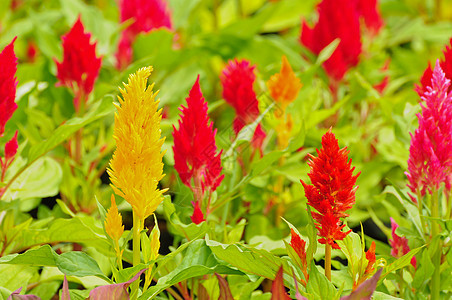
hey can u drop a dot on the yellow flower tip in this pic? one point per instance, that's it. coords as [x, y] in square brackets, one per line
[284, 86]
[113, 221]
[136, 165]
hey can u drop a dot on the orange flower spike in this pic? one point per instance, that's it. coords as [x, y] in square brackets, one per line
[299, 246]
[370, 256]
[113, 222]
[284, 86]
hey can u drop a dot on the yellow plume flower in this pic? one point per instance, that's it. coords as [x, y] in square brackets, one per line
[284, 86]
[113, 221]
[136, 166]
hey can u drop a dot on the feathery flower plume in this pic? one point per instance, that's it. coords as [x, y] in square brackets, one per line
[146, 15]
[368, 11]
[399, 244]
[80, 66]
[113, 221]
[299, 246]
[427, 76]
[284, 86]
[195, 152]
[371, 259]
[237, 80]
[8, 84]
[430, 160]
[136, 166]
[332, 191]
[337, 19]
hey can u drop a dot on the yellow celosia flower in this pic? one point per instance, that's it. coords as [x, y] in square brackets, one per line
[136, 166]
[113, 221]
[284, 86]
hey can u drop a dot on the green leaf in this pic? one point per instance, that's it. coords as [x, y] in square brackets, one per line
[424, 272]
[198, 260]
[327, 51]
[70, 263]
[351, 246]
[400, 263]
[247, 259]
[319, 286]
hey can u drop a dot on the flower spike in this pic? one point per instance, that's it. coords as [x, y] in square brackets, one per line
[237, 80]
[136, 166]
[332, 191]
[195, 152]
[8, 84]
[80, 66]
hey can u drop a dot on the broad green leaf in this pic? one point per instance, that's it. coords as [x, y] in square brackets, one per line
[70, 263]
[352, 248]
[319, 286]
[327, 51]
[198, 261]
[400, 263]
[247, 259]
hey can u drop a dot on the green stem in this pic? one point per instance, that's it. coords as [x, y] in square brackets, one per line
[328, 261]
[136, 252]
[437, 255]
[420, 205]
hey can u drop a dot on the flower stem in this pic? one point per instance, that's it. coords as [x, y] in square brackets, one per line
[420, 205]
[328, 261]
[136, 252]
[437, 255]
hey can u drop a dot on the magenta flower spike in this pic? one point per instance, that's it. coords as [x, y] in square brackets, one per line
[430, 160]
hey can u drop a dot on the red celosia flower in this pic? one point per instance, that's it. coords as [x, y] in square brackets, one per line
[80, 66]
[430, 160]
[399, 244]
[332, 191]
[368, 10]
[337, 19]
[446, 66]
[198, 216]
[195, 151]
[299, 246]
[32, 51]
[237, 80]
[146, 15]
[8, 84]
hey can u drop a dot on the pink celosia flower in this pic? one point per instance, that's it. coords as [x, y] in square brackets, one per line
[146, 15]
[195, 152]
[430, 160]
[337, 19]
[399, 244]
[237, 80]
[80, 66]
[198, 216]
[368, 10]
[446, 66]
[8, 84]
[332, 191]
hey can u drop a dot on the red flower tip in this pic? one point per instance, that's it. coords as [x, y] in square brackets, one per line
[399, 244]
[80, 66]
[195, 152]
[332, 191]
[198, 216]
[370, 256]
[446, 66]
[299, 246]
[11, 148]
[430, 159]
[337, 19]
[147, 15]
[237, 80]
[8, 84]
